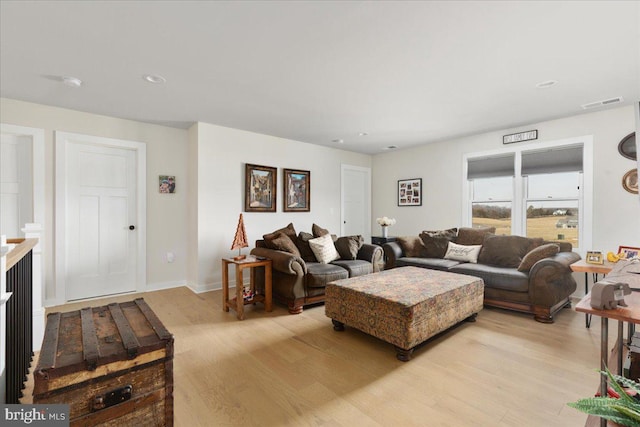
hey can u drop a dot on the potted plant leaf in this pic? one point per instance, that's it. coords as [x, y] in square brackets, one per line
[623, 410]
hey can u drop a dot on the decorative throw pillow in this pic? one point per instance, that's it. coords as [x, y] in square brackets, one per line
[302, 242]
[564, 246]
[412, 246]
[437, 242]
[504, 251]
[348, 246]
[323, 249]
[318, 231]
[473, 236]
[541, 252]
[288, 230]
[465, 253]
[282, 242]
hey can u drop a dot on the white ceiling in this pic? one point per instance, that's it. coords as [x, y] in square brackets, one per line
[406, 73]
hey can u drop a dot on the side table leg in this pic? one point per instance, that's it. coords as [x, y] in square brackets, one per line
[604, 343]
[239, 297]
[268, 288]
[225, 286]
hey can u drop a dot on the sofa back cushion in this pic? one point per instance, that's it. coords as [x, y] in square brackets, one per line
[473, 236]
[564, 246]
[288, 230]
[348, 246]
[541, 252]
[437, 242]
[504, 251]
[281, 242]
[324, 249]
[412, 246]
[302, 242]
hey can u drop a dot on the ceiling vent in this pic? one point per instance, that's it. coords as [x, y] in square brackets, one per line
[602, 103]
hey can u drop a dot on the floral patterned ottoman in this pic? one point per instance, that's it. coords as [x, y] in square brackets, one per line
[404, 306]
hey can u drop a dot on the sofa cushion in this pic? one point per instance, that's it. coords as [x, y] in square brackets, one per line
[473, 236]
[541, 252]
[504, 251]
[355, 267]
[348, 246]
[564, 246]
[302, 242]
[318, 231]
[288, 230]
[432, 263]
[464, 253]
[496, 277]
[318, 275]
[437, 242]
[281, 242]
[412, 246]
[324, 249]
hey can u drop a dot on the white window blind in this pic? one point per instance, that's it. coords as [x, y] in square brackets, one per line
[488, 167]
[566, 159]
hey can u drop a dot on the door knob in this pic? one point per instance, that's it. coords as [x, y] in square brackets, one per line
[132, 227]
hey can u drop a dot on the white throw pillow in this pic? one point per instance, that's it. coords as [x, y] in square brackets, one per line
[463, 252]
[324, 249]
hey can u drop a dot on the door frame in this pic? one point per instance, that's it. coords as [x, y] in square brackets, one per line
[367, 219]
[62, 139]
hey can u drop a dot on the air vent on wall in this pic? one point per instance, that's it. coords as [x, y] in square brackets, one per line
[602, 103]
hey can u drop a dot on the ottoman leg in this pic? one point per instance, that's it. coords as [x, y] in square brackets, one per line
[471, 318]
[403, 355]
[337, 326]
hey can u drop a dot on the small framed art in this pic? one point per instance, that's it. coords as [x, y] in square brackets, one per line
[410, 192]
[297, 191]
[167, 184]
[260, 188]
[629, 252]
[594, 257]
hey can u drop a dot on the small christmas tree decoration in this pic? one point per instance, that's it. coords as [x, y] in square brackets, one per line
[240, 240]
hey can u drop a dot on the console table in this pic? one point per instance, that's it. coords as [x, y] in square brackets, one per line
[630, 314]
[595, 269]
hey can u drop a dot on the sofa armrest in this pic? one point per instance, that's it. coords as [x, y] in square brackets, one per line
[371, 253]
[283, 262]
[551, 279]
[392, 251]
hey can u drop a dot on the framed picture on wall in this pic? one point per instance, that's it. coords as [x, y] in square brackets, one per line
[410, 192]
[297, 191]
[167, 184]
[260, 188]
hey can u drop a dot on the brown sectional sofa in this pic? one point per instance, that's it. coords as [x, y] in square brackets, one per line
[522, 274]
[298, 278]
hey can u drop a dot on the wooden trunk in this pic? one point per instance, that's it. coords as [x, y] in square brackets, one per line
[113, 365]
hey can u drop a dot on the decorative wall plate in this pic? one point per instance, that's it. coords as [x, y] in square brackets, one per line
[630, 181]
[627, 146]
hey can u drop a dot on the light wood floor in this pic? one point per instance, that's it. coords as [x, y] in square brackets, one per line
[277, 369]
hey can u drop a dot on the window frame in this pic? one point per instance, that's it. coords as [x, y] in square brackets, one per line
[519, 200]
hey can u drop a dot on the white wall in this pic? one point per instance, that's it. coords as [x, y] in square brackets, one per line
[616, 213]
[166, 154]
[221, 155]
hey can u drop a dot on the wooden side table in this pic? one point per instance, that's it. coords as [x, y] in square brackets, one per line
[239, 302]
[595, 269]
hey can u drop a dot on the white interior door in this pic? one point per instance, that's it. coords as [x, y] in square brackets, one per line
[16, 195]
[100, 221]
[356, 201]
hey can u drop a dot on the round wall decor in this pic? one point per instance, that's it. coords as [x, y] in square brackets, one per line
[627, 146]
[630, 181]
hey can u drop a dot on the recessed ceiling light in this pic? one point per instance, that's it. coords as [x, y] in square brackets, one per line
[72, 81]
[392, 147]
[363, 134]
[339, 141]
[154, 78]
[546, 84]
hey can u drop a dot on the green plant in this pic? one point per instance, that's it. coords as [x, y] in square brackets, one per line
[624, 410]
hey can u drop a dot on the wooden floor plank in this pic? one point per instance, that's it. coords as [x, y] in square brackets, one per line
[277, 369]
